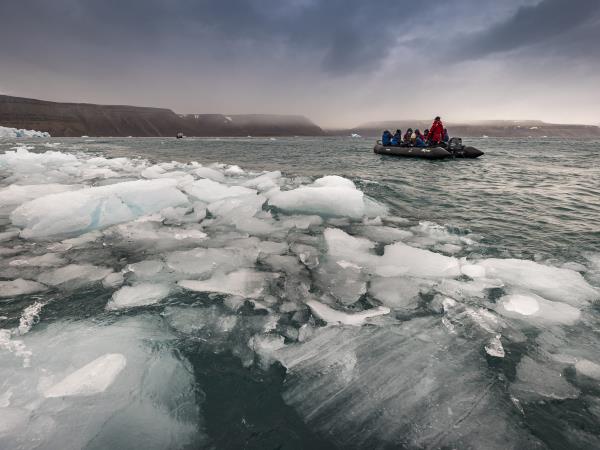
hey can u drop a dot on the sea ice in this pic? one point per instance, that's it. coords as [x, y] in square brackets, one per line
[265, 181]
[211, 174]
[399, 292]
[562, 285]
[588, 368]
[20, 287]
[384, 234]
[535, 381]
[16, 194]
[244, 282]
[129, 369]
[413, 385]
[146, 269]
[74, 275]
[46, 260]
[344, 281]
[91, 379]
[402, 259]
[139, 295]
[330, 315]
[12, 133]
[536, 309]
[203, 261]
[494, 347]
[210, 191]
[94, 208]
[328, 196]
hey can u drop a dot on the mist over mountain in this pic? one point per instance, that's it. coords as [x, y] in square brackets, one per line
[491, 128]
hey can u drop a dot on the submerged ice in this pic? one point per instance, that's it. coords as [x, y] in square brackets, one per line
[392, 333]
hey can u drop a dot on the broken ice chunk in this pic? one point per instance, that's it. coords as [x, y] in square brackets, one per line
[95, 208]
[588, 368]
[494, 347]
[211, 174]
[399, 292]
[210, 191]
[139, 295]
[245, 283]
[47, 260]
[91, 379]
[20, 287]
[401, 259]
[75, 275]
[534, 308]
[553, 283]
[535, 380]
[146, 269]
[330, 315]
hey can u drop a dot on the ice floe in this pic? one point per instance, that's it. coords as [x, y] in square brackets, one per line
[391, 333]
[11, 133]
[139, 295]
[126, 372]
[94, 208]
[91, 379]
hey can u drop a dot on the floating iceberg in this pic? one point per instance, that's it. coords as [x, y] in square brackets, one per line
[553, 283]
[91, 379]
[95, 208]
[12, 133]
[139, 295]
[91, 385]
[328, 196]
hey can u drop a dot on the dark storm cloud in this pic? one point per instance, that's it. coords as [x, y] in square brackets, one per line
[551, 25]
[337, 61]
[347, 34]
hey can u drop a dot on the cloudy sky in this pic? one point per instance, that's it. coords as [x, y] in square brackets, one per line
[339, 62]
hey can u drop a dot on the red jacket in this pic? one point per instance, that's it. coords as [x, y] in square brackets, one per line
[436, 132]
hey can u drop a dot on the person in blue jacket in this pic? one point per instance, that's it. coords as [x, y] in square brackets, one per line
[397, 138]
[386, 138]
[446, 137]
[420, 141]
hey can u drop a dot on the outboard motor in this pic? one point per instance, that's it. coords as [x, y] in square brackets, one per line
[455, 144]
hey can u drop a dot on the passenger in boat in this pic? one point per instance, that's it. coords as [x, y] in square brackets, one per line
[446, 137]
[426, 134]
[419, 139]
[407, 135]
[397, 138]
[436, 132]
[386, 138]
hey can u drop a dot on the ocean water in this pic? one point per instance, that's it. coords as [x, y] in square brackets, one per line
[244, 301]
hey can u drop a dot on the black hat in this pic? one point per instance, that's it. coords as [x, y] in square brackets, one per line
[437, 118]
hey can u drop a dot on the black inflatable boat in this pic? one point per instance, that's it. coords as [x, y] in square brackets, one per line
[454, 149]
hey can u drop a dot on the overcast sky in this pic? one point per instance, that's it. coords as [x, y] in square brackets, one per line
[339, 62]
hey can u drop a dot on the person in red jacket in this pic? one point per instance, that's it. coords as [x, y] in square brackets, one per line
[436, 132]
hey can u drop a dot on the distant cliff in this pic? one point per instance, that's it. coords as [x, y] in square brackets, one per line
[492, 128]
[78, 119]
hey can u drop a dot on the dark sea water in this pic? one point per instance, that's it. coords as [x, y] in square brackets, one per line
[525, 197]
[211, 369]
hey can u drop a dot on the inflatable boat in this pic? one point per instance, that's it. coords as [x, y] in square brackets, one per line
[454, 149]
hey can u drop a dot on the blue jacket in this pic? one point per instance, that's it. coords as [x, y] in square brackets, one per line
[420, 142]
[386, 138]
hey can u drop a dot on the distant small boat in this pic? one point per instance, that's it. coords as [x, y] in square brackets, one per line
[179, 135]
